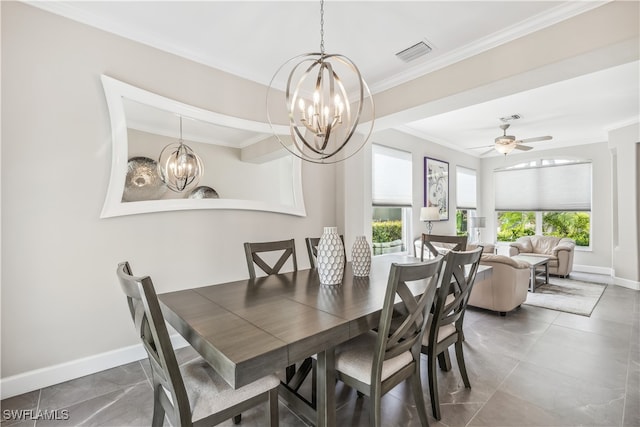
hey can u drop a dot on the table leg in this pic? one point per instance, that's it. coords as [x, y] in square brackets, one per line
[532, 280]
[326, 384]
[546, 272]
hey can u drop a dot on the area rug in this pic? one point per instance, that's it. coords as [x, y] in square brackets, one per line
[570, 296]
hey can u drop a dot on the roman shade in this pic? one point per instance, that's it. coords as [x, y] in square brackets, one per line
[565, 187]
[392, 177]
[465, 188]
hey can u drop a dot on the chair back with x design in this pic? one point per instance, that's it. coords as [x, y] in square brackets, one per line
[255, 252]
[448, 243]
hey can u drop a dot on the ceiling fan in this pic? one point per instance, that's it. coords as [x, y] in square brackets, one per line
[504, 144]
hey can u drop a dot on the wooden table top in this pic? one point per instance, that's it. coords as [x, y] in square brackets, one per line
[250, 328]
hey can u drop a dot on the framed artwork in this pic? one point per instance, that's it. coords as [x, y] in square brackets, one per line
[436, 186]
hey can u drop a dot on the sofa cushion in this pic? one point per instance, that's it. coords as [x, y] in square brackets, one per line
[525, 245]
[543, 244]
[487, 248]
[491, 258]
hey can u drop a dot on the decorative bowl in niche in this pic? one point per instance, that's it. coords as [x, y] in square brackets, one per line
[142, 181]
[203, 192]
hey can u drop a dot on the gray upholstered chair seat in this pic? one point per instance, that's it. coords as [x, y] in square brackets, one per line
[355, 358]
[209, 393]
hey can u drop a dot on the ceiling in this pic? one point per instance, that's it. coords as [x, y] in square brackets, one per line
[252, 39]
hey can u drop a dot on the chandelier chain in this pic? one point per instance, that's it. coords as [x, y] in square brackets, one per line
[322, 27]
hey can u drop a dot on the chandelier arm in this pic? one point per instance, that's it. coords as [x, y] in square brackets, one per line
[330, 121]
[304, 141]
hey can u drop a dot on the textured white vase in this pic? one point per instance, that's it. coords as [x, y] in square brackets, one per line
[330, 260]
[361, 257]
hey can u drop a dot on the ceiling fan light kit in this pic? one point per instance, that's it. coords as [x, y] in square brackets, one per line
[505, 144]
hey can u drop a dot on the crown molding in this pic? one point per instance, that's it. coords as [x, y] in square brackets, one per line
[540, 21]
[535, 23]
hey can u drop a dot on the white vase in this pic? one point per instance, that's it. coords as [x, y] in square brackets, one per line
[361, 257]
[330, 260]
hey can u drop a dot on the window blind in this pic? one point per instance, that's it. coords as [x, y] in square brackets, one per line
[392, 177]
[465, 188]
[549, 188]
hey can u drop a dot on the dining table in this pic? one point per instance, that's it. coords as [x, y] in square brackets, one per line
[250, 328]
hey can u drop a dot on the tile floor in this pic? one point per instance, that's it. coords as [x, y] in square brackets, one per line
[534, 367]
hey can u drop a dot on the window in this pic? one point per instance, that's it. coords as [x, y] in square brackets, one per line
[465, 198]
[549, 197]
[392, 199]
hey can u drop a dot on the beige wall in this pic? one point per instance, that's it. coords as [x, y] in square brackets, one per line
[624, 143]
[60, 299]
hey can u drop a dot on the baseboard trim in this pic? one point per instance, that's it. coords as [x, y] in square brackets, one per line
[56, 374]
[626, 283]
[593, 269]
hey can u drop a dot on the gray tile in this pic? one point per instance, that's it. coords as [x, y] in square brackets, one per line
[486, 372]
[576, 401]
[78, 390]
[599, 326]
[506, 410]
[632, 401]
[617, 304]
[129, 406]
[602, 359]
[15, 407]
[503, 336]
[394, 412]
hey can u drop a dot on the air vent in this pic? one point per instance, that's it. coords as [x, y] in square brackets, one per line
[510, 118]
[414, 52]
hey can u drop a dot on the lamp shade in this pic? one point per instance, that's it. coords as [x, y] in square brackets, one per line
[429, 214]
[477, 222]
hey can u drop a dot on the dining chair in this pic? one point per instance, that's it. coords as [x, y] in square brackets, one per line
[445, 243]
[208, 399]
[254, 253]
[450, 305]
[294, 378]
[375, 362]
[312, 249]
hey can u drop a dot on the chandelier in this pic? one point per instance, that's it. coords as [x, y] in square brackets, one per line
[179, 167]
[326, 122]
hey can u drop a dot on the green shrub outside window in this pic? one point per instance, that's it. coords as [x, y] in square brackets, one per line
[574, 225]
[512, 225]
[386, 231]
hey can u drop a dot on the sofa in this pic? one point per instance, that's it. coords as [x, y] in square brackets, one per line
[560, 250]
[505, 288]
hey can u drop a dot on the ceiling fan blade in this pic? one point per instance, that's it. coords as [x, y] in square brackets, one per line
[522, 147]
[536, 139]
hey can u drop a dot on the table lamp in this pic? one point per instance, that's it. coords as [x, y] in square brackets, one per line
[429, 214]
[477, 222]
